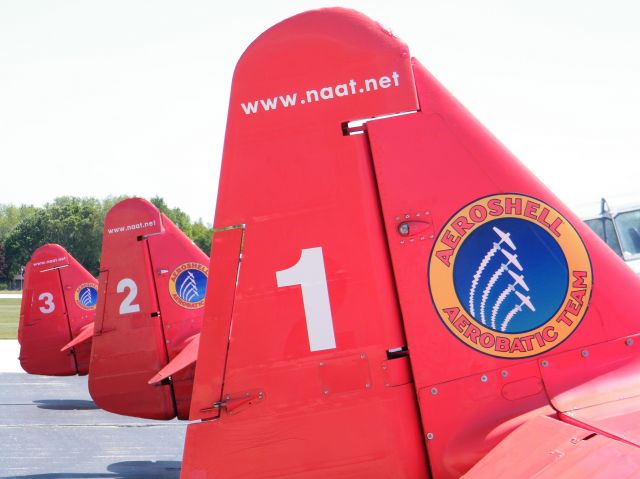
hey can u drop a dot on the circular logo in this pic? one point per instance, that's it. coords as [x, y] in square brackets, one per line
[509, 276]
[86, 296]
[188, 285]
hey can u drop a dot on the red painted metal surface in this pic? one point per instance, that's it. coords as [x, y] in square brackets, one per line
[300, 421]
[448, 160]
[609, 404]
[225, 260]
[175, 253]
[143, 323]
[358, 255]
[618, 419]
[186, 357]
[545, 448]
[52, 313]
[85, 334]
[466, 417]
[568, 376]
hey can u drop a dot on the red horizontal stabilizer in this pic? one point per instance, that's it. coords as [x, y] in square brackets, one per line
[184, 358]
[546, 448]
[86, 333]
[619, 419]
[598, 387]
[58, 301]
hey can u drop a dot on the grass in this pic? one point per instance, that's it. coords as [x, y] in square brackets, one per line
[9, 316]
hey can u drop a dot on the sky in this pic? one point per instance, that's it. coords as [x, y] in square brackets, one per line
[106, 98]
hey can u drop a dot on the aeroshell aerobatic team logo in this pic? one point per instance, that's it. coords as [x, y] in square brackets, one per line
[509, 276]
[86, 296]
[188, 284]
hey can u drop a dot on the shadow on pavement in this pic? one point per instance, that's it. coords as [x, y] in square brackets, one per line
[65, 404]
[118, 470]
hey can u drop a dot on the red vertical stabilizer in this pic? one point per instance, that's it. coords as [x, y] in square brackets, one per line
[329, 396]
[152, 284]
[409, 293]
[58, 301]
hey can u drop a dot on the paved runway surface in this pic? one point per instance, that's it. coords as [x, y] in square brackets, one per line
[50, 429]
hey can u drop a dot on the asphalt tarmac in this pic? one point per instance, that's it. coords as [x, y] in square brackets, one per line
[51, 429]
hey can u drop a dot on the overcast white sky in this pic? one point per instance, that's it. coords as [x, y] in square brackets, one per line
[103, 98]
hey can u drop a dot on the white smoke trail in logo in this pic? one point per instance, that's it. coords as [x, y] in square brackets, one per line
[525, 301]
[518, 281]
[504, 238]
[86, 297]
[188, 288]
[511, 259]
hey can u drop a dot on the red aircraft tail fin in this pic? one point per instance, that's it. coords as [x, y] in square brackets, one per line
[58, 301]
[152, 282]
[408, 292]
[301, 354]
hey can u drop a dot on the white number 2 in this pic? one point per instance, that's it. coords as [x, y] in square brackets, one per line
[127, 305]
[49, 306]
[309, 273]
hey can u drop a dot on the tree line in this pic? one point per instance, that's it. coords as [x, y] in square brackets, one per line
[76, 224]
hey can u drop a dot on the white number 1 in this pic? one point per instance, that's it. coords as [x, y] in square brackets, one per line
[309, 273]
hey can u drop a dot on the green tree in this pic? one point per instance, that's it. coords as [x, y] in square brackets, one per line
[109, 203]
[74, 223]
[197, 231]
[3, 274]
[77, 225]
[10, 217]
[179, 217]
[202, 236]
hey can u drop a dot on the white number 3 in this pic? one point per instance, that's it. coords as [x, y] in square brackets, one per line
[49, 306]
[309, 273]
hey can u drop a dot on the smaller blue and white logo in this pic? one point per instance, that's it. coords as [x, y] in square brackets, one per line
[188, 285]
[86, 296]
